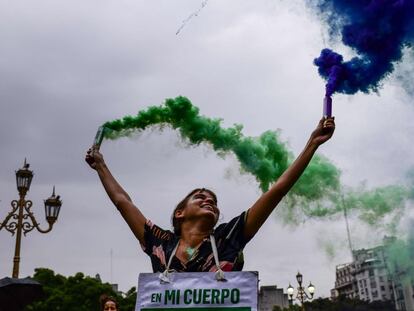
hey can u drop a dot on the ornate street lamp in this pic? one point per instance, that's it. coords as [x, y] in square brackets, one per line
[21, 218]
[24, 179]
[52, 208]
[301, 294]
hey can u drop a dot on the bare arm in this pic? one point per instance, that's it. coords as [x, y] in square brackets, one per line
[265, 205]
[132, 215]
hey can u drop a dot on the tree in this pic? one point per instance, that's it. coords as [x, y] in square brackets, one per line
[78, 292]
[127, 303]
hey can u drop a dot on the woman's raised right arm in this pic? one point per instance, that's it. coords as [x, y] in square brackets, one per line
[132, 215]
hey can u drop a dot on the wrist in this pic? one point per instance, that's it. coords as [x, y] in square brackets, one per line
[100, 166]
[312, 144]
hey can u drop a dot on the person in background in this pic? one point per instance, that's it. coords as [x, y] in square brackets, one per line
[108, 303]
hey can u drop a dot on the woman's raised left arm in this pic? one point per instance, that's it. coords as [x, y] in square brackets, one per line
[268, 201]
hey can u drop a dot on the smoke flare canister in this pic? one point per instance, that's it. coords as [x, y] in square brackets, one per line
[99, 137]
[327, 107]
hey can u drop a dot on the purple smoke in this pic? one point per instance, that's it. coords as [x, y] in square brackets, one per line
[377, 30]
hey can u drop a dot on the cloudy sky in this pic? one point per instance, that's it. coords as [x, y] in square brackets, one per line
[68, 66]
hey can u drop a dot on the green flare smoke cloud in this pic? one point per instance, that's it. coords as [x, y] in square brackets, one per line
[266, 157]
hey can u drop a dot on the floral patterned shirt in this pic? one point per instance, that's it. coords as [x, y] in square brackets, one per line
[230, 242]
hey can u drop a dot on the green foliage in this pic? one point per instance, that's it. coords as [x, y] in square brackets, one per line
[127, 303]
[78, 292]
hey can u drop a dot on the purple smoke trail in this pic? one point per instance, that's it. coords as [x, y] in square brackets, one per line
[377, 30]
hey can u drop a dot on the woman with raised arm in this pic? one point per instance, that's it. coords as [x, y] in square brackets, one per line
[190, 246]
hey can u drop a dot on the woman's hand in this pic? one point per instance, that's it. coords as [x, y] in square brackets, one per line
[323, 131]
[94, 158]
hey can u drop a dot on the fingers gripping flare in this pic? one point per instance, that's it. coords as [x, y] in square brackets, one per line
[328, 122]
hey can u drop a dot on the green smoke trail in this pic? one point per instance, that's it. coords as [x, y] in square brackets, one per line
[266, 157]
[377, 203]
[373, 206]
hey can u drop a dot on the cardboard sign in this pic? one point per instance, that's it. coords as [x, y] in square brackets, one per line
[198, 291]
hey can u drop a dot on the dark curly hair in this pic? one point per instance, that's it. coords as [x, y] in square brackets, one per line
[105, 298]
[176, 223]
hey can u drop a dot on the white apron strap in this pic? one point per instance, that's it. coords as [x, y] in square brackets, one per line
[165, 276]
[219, 272]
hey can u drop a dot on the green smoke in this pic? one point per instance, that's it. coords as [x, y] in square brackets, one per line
[266, 157]
[377, 206]
[372, 204]
[400, 257]
[400, 251]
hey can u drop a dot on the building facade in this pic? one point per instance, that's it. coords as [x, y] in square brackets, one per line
[368, 278]
[372, 276]
[270, 296]
[345, 284]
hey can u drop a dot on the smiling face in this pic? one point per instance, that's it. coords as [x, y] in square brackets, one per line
[202, 203]
[198, 204]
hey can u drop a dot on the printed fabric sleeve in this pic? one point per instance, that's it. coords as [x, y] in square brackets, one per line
[154, 237]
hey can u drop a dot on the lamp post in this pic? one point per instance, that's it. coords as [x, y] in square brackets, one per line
[21, 218]
[301, 294]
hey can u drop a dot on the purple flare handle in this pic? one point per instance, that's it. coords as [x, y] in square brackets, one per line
[327, 107]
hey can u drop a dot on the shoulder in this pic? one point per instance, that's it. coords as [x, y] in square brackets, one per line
[234, 225]
[156, 232]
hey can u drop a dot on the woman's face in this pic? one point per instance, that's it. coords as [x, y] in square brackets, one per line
[110, 306]
[202, 203]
